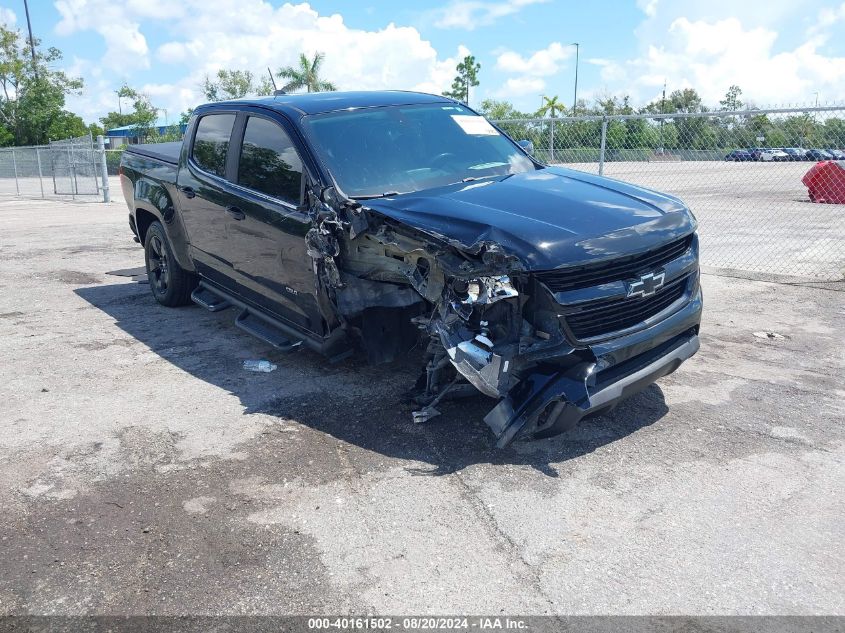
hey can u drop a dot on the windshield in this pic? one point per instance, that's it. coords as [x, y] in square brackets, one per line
[399, 149]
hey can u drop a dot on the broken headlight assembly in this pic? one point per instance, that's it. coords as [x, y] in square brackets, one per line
[475, 335]
[485, 290]
[479, 343]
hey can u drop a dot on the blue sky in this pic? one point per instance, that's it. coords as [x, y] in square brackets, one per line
[778, 51]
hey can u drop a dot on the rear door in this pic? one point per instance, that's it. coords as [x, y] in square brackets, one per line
[265, 237]
[204, 194]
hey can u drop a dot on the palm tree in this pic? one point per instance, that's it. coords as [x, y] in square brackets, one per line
[307, 75]
[553, 108]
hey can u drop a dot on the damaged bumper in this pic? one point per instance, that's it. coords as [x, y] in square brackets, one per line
[550, 400]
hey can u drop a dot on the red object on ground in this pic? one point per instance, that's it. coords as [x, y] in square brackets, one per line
[826, 182]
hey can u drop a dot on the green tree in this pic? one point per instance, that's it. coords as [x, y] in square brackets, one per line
[95, 129]
[142, 117]
[502, 112]
[124, 92]
[613, 105]
[732, 99]
[686, 129]
[66, 125]
[799, 129]
[833, 134]
[234, 84]
[497, 110]
[466, 78]
[171, 133]
[551, 107]
[306, 75]
[32, 94]
[686, 100]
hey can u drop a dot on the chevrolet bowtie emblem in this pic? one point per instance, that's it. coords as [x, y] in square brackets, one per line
[646, 285]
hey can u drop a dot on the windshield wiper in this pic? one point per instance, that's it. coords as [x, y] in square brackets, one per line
[373, 196]
[474, 178]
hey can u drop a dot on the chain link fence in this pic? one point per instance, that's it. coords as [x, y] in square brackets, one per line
[70, 168]
[767, 186]
[74, 166]
[752, 177]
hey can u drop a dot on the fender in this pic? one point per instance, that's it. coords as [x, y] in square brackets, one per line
[156, 199]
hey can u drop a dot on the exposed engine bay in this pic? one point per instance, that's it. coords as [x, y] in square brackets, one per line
[486, 323]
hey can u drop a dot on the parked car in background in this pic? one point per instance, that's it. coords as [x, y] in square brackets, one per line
[837, 154]
[818, 154]
[740, 155]
[768, 154]
[794, 153]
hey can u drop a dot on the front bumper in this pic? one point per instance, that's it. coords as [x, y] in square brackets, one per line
[564, 397]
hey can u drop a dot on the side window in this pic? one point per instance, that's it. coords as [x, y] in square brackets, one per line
[269, 162]
[211, 142]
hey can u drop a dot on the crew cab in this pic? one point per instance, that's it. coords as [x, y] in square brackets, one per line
[378, 223]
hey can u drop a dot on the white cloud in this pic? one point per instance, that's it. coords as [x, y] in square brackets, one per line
[516, 87]
[98, 95]
[470, 14]
[531, 71]
[542, 63]
[7, 17]
[649, 7]
[710, 56]
[827, 17]
[252, 35]
[116, 22]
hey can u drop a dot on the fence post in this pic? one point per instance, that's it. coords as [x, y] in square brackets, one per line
[104, 168]
[72, 170]
[40, 176]
[552, 128]
[15, 168]
[53, 166]
[603, 142]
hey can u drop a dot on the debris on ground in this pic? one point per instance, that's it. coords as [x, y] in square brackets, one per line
[769, 335]
[424, 415]
[259, 365]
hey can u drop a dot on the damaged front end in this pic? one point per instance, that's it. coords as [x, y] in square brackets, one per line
[487, 322]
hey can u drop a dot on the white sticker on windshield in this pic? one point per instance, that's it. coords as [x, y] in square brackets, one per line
[476, 125]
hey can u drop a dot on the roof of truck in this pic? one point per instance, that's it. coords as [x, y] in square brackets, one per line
[318, 102]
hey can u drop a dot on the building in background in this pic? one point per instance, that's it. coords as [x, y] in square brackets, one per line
[128, 134]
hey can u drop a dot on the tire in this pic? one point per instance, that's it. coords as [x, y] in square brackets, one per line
[170, 284]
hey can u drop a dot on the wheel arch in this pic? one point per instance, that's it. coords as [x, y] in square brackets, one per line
[143, 219]
[153, 203]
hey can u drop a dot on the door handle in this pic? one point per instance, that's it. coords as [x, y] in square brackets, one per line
[235, 213]
[188, 191]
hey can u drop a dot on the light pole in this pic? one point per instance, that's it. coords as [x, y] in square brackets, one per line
[31, 41]
[575, 97]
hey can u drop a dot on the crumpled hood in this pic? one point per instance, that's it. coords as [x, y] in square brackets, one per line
[547, 218]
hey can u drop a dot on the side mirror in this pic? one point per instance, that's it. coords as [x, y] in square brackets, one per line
[527, 145]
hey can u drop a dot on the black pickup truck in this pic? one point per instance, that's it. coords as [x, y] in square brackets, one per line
[377, 223]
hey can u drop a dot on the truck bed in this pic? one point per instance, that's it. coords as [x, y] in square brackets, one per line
[165, 152]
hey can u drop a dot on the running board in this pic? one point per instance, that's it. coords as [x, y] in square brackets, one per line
[262, 329]
[209, 300]
[335, 346]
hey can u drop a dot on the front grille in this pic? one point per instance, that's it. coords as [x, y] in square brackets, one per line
[616, 270]
[604, 317]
